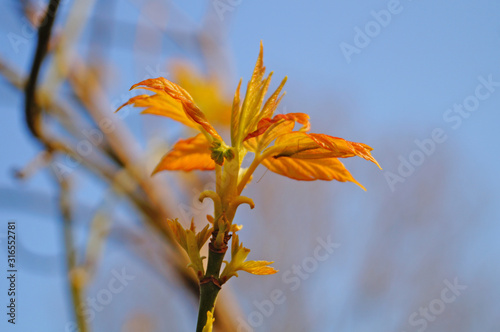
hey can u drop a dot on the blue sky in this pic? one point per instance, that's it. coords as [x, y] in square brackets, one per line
[397, 90]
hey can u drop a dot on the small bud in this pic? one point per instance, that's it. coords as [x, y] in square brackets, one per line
[229, 154]
[220, 152]
[218, 157]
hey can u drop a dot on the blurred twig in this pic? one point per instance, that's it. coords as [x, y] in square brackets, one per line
[77, 276]
[115, 160]
[11, 75]
[32, 110]
[34, 122]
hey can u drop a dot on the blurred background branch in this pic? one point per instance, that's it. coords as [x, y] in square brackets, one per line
[89, 179]
[115, 158]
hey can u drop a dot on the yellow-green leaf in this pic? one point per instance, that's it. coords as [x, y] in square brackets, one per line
[210, 322]
[235, 114]
[238, 262]
[191, 242]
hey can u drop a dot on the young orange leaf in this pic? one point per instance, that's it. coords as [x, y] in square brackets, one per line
[161, 104]
[312, 146]
[162, 86]
[326, 169]
[269, 129]
[340, 145]
[187, 155]
[207, 90]
[309, 157]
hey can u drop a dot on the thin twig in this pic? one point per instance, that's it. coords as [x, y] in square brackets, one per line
[11, 75]
[76, 275]
[34, 122]
[32, 111]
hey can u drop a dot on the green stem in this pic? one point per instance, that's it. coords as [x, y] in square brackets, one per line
[208, 295]
[227, 185]
[209, 285]
[214, 264]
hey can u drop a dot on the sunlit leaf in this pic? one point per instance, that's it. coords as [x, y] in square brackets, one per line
[238, 262]
[312, 146]
[191, 242]
[270, 129]
[203, 236]
[258, 267]
[164, 87]
[206, 90]
[187, 155]
[235, 114]
[210, 322]
[273, 101]
[247, 118]
[163, 105]
[340, 145]
[326, 169]
[308, 157]
[255, 104]
[253, 93]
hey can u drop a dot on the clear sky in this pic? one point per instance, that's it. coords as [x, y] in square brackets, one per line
[419, 81]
